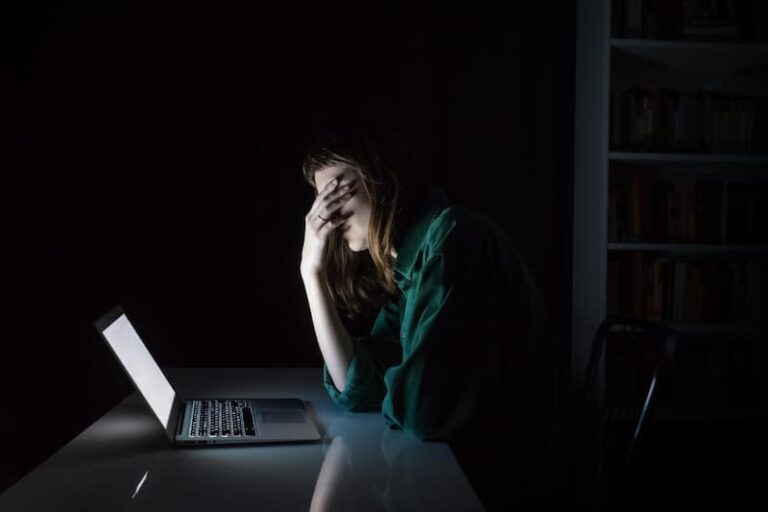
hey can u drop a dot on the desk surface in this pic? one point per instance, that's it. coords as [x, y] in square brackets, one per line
[124, 461]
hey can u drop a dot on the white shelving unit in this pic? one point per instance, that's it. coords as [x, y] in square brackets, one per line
[603, 64]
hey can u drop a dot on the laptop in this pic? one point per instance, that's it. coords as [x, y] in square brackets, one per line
[189, 421]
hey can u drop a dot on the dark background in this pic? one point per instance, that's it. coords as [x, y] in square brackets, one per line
[151, 158]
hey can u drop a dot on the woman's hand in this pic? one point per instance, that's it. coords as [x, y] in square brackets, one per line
[324, 217]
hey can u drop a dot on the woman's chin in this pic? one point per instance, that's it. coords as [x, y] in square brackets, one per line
[357, 245]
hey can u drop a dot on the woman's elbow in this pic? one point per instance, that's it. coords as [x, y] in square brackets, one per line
[427, 434]
[425, 429]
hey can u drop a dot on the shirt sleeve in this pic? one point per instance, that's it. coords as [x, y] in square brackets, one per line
[364, 387]
[451, 358]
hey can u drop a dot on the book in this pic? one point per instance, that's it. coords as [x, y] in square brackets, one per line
[666, 120]
[710, 20]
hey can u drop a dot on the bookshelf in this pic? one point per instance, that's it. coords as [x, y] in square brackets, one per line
[671, 174]
[721, 58]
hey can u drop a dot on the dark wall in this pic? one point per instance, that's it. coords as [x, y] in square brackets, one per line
[151, 157]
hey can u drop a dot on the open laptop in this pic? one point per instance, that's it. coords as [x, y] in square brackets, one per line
[189, 421]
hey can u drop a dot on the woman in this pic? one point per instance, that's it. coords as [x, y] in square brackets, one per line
[461, 346]
[461, 349]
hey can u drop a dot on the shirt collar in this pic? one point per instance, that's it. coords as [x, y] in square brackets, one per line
[415, 231]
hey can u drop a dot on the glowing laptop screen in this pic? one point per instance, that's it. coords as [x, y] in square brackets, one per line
[142, 368]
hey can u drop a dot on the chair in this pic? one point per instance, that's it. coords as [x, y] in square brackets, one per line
[612, 425]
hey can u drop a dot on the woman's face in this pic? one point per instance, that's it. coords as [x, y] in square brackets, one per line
[357, 210]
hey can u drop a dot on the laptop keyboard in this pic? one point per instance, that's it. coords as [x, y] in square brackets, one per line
[221, 418]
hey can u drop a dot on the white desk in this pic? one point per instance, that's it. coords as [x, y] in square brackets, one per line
[124, 462]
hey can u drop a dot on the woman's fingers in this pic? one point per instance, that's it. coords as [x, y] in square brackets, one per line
[330, 187]
[335, 202]
[329, 199]
[330, 213]
[325, 214]
[329, 226]
[324, 227]
[332, 191]
[323, 217]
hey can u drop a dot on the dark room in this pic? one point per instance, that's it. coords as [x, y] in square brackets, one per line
[351, 255]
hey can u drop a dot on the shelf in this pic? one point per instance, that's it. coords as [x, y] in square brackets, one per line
[692, 160]
[698, 58]
[669, 415]
[732, 330]
[618, 416]
[699, 249]
[743, 330]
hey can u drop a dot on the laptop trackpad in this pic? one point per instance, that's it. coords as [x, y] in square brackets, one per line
[281, 416]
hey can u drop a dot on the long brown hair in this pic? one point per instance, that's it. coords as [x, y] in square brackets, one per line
[395, 179]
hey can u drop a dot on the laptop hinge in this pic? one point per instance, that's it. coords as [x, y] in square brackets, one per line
[182, 414]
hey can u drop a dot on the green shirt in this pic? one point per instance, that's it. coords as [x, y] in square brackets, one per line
[467, 346]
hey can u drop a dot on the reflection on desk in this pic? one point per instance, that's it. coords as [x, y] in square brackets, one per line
[398, 473]
[124, 461]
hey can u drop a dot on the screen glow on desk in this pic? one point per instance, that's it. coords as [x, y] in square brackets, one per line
[141, 482]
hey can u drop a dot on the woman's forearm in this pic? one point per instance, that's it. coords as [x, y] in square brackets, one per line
[332, 337]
